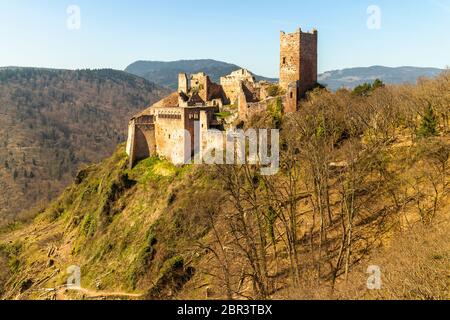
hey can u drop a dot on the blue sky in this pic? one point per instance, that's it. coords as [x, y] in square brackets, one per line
[115, 33]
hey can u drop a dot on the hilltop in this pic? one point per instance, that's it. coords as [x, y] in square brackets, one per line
[352, 77]
[52, 121]
[363, 182]
[166, 73]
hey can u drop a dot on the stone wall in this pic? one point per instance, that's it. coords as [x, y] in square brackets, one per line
[168, 134]
[291, 101]
[183, 83]
[298, 60]
[145, 144]
[308, 61]
[141, 142]
[201, 117]
[199, 83]
[231, 84]
[289, 58]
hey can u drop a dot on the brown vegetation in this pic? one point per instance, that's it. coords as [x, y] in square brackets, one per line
[51, 121]
[355, 174]
[358, 187]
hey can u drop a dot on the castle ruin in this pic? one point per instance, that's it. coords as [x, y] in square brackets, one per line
[298, 65]
[196, 105]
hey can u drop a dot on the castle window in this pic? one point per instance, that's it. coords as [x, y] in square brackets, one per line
[284, 60]
[292, 95]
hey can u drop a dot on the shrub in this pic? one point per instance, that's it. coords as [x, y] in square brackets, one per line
[366, 89]
[274, 90]
[276, 112]
[428, 127]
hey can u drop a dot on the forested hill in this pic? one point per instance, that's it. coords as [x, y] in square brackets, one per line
[166, 73]
[52, 121]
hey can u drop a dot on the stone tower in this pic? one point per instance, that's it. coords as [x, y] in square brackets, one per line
[183, 83]
[298, 64]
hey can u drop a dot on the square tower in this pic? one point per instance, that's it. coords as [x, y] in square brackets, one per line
[298, 60]
[183, 83]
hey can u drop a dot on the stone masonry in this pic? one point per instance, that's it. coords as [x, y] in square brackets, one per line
[298, 65]
[161, 129]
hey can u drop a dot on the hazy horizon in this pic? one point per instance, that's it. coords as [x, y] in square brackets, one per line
[323, 72]
[86, 35]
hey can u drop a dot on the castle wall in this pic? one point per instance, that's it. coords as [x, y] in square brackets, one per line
[243, 106]
[141, 143]
[145, 143]
[199, 83]
[130, 140]
[298, 60]
[231, 84]
[162, 129]
[291, 101]
[214, 92]
[169, 134]
[308, 62]
[183, 83]
[202, 117]
[289, 58]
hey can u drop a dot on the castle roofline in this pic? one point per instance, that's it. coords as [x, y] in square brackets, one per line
[171, 101]
[300, 31]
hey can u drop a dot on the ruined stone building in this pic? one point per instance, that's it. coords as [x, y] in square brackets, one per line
[298, 65]
[158, 129]
[198, 102]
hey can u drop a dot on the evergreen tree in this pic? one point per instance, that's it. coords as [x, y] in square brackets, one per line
[428, 127]
[366, 89]
[377, 84]
[362, 90]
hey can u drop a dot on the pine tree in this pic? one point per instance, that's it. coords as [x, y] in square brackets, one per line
[377, 84]
[428, 127]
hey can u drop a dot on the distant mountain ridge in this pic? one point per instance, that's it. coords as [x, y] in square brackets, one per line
[352, 77]
[166, 73]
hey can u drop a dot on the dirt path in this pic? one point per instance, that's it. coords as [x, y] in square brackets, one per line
[61, 294]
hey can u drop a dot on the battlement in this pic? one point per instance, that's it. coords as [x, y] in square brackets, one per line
[299, 31]
[298, 60]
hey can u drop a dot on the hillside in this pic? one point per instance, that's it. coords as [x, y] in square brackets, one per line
[364, 181]
[352, 77]
[126, 229]
[52, 121]
[166, 73]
